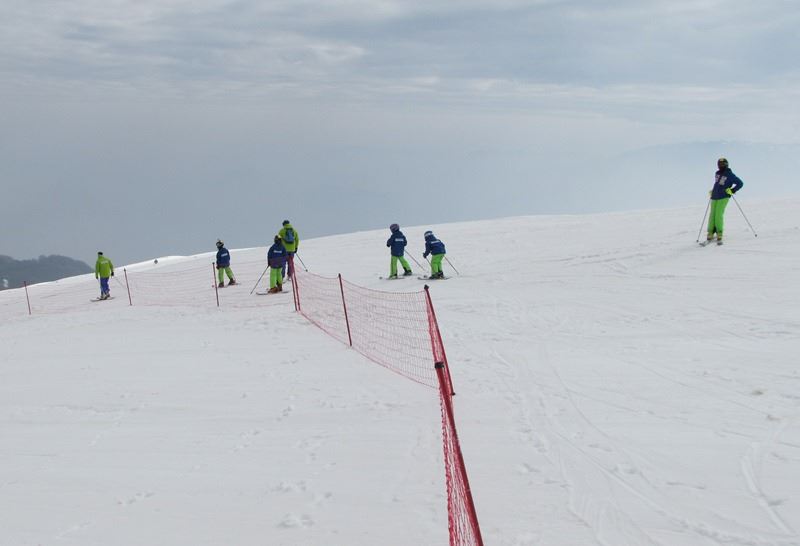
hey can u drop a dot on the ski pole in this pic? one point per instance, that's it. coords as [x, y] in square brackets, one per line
[259, 280]
[745, 217]
[703, 222]
[416, 262]
[451, 265]
[301, 261]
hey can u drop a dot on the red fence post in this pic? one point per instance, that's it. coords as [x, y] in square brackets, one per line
[453, 449]
[25, 284]
[344, 306]
[295, 292]
[127, 285]
[214, 280]
[439, 355]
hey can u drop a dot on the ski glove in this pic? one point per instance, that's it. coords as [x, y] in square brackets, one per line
[425, 255]
[112, 273]
[729, 191]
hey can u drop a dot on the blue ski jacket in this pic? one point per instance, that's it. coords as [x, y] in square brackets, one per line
[723, 180]
[433, 246]
[397, 242]
[276, 256]
[223, 258]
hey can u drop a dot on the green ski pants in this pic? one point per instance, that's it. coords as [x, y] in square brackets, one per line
[716, 217]
[403, 262]
[275, 276]
[227, 271]
[436, 263]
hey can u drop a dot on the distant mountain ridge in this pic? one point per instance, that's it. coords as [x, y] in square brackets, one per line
[42, 269]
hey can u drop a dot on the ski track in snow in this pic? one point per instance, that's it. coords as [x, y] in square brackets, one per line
[614, 388]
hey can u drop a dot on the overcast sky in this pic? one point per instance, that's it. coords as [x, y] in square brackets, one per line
[147, 128]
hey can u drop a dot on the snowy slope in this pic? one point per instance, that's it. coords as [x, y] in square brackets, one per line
[616, 385]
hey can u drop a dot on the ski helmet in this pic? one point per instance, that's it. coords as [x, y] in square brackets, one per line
[277, 239]
[428, 234]
[722, 163]
[286, 222]
[99, 253]
[394, 227]
[220, 243]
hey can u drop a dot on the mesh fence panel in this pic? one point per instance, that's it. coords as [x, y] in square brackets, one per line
[320, 301]
[398, 331]
[189, 282]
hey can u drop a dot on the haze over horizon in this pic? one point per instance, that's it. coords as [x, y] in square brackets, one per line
[146, 129]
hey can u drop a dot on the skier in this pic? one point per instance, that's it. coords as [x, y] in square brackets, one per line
[291, 242]
[397, 242]
[435, 247]
[103, 269]
[276, 258]
[224, 264]
[725, 185]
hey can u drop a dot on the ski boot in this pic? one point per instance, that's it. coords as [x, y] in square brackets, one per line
[221, 285]
[407, 273]
[231, 282]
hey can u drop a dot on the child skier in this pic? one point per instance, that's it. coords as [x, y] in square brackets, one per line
[397, 242]
[224, 264]
[103, 269]
[725, 185]
[435, 247]
[276, 258]
[291, 242]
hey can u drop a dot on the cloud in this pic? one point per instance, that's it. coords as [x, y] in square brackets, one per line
[556, 42]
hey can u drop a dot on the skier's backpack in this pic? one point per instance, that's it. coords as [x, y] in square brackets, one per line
[288, 235]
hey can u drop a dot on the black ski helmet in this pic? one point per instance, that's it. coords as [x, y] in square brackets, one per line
[722, 163]
[286, 222]
[277, 239]
[394, 227]
[428, 234]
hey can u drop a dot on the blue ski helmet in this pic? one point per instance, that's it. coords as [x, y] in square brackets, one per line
[394, 227]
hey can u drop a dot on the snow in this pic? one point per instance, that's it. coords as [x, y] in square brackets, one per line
[616, 385]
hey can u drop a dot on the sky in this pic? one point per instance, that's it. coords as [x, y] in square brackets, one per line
[151, 128]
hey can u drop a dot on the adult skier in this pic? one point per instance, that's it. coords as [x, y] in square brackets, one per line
[224, 264]
[291, 242]
[436, 248]
[276, 258]
[103, 270]
[725, 185]
[397, 243]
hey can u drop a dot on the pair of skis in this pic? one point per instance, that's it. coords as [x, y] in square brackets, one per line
[422, 278]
